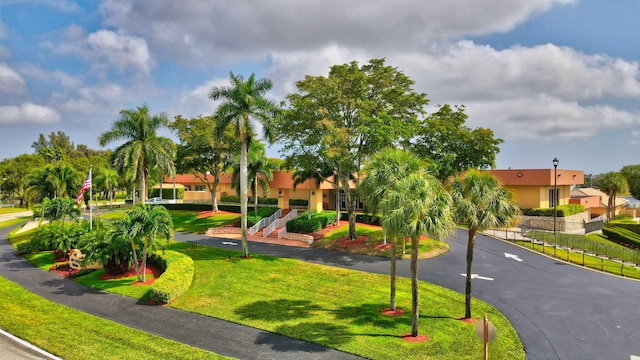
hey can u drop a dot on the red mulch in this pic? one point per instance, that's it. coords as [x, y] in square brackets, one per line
[151, 270]
[358, 241]
[416, 339]
[389, 312]
[384, 246]
[62, 270]
[469, 320]
[322, 232]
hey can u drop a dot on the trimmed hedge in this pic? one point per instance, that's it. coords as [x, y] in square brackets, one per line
[302, 224]
[263, 201]
[622, 236]
[167, 193]
[298, 202]
[625, 224]
[362, 218]
[562, 210]
[177, 276]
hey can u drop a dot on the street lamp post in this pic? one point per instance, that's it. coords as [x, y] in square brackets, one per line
[555, 201]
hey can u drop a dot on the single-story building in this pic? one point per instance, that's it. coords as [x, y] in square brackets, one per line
[596, 201]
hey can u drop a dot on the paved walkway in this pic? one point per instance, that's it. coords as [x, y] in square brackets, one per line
[211, 334]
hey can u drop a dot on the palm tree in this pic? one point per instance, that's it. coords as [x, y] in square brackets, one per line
[143, 149]
[383, 172]
[417, 205]
[144, 225]
[481, 203]
[259, 172]
[242, 101]
[310, 176]
[63, 178]
[612, 183]
[107, 178]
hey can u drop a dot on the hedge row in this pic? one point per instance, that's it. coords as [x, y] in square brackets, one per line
[622, 236]
[298, 202]
[318, 221]
[562, 210]
[263, 201]
[362, 218]
[167, 193]
[625, 223]
[177, 276]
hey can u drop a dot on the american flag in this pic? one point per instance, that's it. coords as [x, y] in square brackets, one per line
[85, 186]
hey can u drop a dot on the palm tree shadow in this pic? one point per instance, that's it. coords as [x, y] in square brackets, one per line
[278, 310]
[371, 313]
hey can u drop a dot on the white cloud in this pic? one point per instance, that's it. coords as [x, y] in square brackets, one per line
[28, 113]
[195, 102]
[10, 80]
[106, 49]
[193, 30]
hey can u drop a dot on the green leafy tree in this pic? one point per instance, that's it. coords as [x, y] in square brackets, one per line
[143, 149]
[243, 102]
[109, 247]
[54, 149]
[632, 174]
[453, 147]
[481, 203]
[612, 183]
[52, 181]
[345, 118]
[201, 151]
[16, 171]
[383, 172]
[418, 206]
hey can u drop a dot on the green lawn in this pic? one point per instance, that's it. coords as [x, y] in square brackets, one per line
[336, 307]
[428, 247]
[11, 210]
[189, 221]
[72, 334]
[7, 223]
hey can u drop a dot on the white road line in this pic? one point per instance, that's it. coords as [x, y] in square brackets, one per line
[476, 276]
[511, 256]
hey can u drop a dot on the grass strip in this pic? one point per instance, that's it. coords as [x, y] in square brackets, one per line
[195, 222]
[72, 334]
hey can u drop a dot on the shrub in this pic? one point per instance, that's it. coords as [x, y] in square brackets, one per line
[623, 236]
[362, 218]
[302, 224]
[252, 220]
[626, 224]
[562, 210]
[177, 276]
[167, 193]
[298, 202]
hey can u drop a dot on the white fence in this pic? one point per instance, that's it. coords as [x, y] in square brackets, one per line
[265, 222]
[280, 223]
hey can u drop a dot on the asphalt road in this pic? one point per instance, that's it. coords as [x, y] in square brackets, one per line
[560, 311]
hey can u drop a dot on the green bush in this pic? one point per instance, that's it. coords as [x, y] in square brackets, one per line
[622, 236]
[167, 193]
[362, 218]
[302, 224]
[562, 211]
[252, 220]
[298, 202]
[236, 200]
[177, 276]
[325, 218]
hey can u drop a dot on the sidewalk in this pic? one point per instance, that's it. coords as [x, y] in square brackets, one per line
[204, 332]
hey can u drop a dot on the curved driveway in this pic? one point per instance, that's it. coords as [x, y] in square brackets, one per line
[560, 311]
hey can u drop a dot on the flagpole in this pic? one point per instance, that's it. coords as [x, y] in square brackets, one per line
[91, 199]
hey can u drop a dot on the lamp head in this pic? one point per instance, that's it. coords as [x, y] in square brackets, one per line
[555, 162]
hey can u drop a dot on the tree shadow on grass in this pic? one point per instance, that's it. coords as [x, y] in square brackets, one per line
[323, 333]
[371, 314]
[278, 310]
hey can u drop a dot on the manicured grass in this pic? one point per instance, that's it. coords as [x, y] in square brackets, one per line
[8, 223]
[189, 221]
[11, 210]
[72, 334]
[112, 215]
[589, 261]
[336, 307]
[428, 247]
[121, 286]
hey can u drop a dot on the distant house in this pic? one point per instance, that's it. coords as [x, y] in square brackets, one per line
[596, 201]
[536, 188]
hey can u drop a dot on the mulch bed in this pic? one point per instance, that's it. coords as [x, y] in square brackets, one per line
[416, 339]
[350, 243]
[204, 214]
[469, 320]
[389, 312]
[62, 270]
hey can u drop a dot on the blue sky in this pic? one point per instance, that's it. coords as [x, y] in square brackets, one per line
[552, 78]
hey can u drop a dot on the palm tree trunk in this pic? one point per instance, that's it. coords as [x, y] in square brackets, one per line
[414, 285]
[467, 300]
[144, 263]
[309, 202]
[141, 190]
[135, 260]
[255, 196]
[243, 192]
[214, 192]
[392, 272]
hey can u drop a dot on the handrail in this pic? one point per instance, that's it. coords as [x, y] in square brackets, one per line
[283, 222]
[265, 222]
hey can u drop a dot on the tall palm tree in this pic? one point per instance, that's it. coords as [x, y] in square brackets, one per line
[143, 148]
[383, 172]
[418, 205]
[243, 101]
[481, 203]
[612, 183]
[311, 176]
[108, 179]
[64, 178]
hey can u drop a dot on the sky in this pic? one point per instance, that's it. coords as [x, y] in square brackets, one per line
[552, 78]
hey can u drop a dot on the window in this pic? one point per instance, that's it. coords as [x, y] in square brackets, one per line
[554, 197]
[199, 188]
[187, 188]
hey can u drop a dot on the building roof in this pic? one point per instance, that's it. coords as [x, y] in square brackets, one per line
[604, 198]
[538, 177]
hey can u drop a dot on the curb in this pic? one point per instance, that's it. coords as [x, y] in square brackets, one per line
[28, 346]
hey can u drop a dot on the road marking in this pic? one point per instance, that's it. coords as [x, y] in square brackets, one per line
[514, 257]
[229, 243]
[476, 276]
[634, 357]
